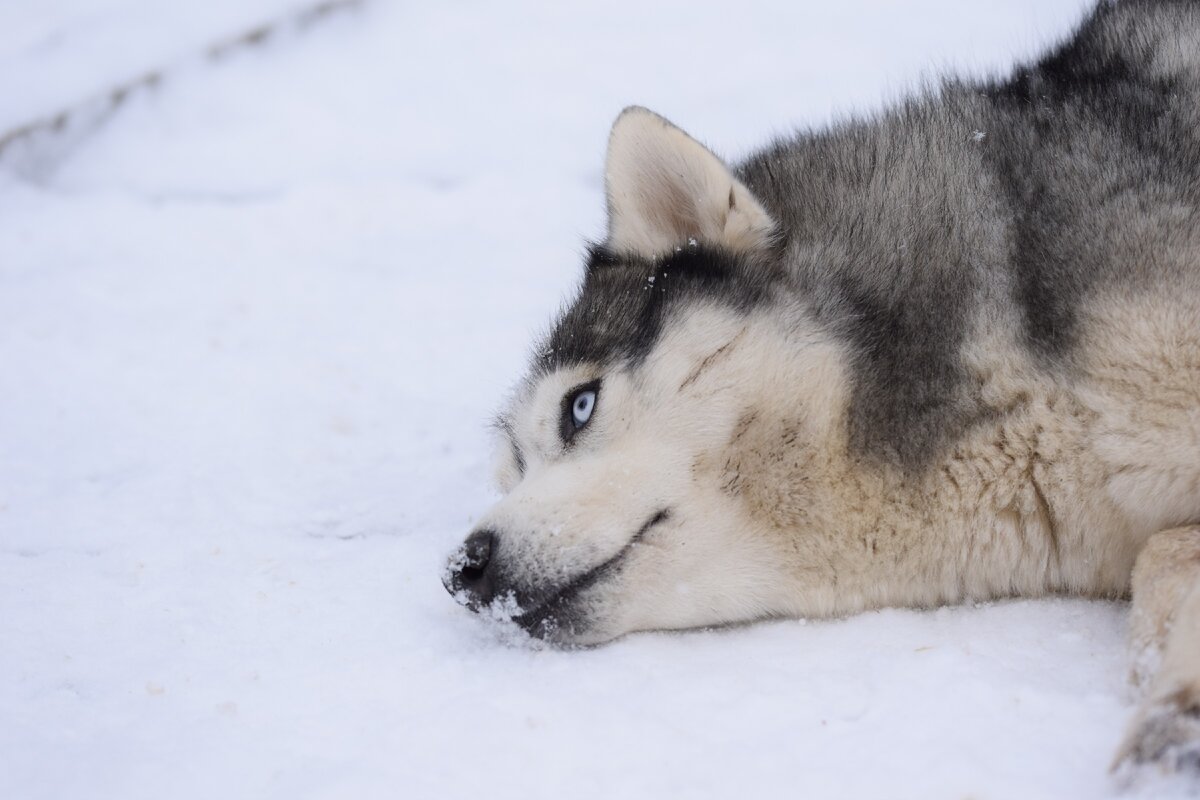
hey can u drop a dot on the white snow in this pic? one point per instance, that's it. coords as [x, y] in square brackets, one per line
[254, 327]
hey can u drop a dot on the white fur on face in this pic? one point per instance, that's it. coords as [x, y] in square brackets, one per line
[737, 425]
[655, 444]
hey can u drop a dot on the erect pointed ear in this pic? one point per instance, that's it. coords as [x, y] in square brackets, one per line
[665, 188]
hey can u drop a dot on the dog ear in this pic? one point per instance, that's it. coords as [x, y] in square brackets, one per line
[665, 188]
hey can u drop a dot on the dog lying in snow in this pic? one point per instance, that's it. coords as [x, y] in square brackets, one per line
[948, 353]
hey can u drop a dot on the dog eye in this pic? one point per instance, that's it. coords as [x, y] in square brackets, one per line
[578, 406]
[581, 407]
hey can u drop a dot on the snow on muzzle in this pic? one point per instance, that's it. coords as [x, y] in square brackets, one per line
[475, 577]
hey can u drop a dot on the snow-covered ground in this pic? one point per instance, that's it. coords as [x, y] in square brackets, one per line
[255, 318]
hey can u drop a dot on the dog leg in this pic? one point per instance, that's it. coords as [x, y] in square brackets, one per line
[1165, 643]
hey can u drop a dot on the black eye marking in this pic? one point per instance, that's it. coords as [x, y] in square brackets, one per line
[578, 408]
[518, 457]
[505, 425]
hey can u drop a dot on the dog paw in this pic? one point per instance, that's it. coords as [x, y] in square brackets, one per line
[1164, 738]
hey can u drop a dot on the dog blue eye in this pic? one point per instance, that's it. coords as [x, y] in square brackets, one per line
[578, 405]
[581, 407]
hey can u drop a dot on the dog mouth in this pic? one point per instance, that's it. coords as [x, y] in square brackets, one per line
[553, 612]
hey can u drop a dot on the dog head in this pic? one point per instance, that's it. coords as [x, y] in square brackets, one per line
[660, 446]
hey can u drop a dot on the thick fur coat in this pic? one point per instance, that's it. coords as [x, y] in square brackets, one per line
[948, 353]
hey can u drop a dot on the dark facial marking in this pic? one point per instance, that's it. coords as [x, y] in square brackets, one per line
[709, 360]
[625, 301]
[745, 421]
[505, 425]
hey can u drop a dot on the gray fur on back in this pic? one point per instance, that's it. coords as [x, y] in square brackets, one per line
[1016, 198]
[1011, 201]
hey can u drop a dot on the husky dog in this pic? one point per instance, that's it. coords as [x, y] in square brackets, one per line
[946, 354]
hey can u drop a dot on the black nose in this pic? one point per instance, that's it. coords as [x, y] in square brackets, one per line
[467, 576]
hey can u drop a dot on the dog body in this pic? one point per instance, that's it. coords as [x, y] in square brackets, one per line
[948, 353]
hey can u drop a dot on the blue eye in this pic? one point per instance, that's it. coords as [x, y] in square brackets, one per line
[578, 406]
[581, 407]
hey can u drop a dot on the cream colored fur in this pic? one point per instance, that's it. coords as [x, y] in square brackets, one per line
[1044, 499]
[665, 188]
[738, 424]
[1165, 642]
